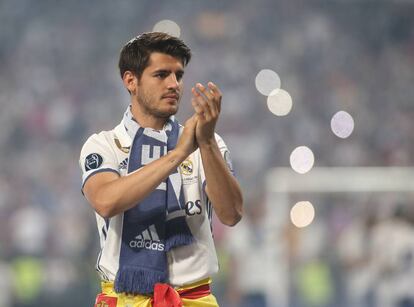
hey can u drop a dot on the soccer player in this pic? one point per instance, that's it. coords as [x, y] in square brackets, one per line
[154, 183]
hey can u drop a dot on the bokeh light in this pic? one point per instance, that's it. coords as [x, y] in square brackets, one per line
[279, 102]
[167, 26]
[302, 159]
[342, 124]
[302, 214]
[266, 81]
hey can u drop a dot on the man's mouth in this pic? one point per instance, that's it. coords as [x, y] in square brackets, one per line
[171, 96]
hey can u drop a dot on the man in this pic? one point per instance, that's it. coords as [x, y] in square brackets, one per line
[154, 183]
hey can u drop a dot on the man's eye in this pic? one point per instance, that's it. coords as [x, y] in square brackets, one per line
[161, 75]
[179, 76]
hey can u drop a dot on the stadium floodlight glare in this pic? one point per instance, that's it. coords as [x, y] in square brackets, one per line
[342, 124]
[302, 214]
[279, 102]
[167, 26]
[302, 159]
[267, 81]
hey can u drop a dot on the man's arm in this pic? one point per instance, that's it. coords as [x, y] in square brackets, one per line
[110, 194]
[222, 187]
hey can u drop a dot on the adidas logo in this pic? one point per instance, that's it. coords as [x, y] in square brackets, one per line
[123, 164]
[148, 239]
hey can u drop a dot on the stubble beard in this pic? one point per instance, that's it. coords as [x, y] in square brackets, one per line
[147, 103]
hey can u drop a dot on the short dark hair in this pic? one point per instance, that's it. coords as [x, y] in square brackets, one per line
[136, 53]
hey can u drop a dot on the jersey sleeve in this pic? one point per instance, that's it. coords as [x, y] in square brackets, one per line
[97, 156]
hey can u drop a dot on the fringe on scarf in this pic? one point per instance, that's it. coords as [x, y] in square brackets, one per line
[133, 280]
[177, 233]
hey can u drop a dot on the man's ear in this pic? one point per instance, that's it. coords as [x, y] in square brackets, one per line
[130, 82]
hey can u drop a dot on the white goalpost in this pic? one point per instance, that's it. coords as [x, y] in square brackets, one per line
[282, 183]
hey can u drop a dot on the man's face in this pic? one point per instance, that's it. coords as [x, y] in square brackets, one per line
[160, 87]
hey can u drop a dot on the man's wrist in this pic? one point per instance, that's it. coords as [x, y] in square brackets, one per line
[177, 155]
[208, 143]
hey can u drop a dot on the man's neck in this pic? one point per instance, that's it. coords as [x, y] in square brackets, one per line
[146, 120]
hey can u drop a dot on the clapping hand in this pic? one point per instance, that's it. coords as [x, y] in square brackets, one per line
[206, 102]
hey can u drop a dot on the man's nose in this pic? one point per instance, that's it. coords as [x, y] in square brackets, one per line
[173, 83]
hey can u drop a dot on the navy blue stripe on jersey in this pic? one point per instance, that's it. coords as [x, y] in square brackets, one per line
[104, 231]
[99, 269]
[210, 214]
[101, 170]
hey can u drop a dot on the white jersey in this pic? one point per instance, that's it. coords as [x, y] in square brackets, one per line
[108, 151]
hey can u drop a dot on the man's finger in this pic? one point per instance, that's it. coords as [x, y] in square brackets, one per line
[214, 89]
[196, 106]
[216, 92]
[209, 99]
[209, 94]
[202, 103]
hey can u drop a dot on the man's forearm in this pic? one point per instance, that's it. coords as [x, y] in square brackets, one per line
[222, 188]
[112, 195]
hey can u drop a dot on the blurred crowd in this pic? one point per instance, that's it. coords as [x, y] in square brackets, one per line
[59, 84]
[359, 251]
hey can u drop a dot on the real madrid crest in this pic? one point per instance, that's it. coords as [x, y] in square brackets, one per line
[186, 167]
